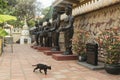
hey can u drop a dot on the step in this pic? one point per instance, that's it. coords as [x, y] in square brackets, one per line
[61, 57]
[52, 52]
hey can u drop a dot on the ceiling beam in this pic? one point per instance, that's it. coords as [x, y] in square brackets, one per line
[61, 5]
[73, 1]
[67, 2]
[56, 2]
[84, 1]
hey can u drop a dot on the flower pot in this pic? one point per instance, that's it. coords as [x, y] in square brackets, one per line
[82, 58]
[112, 68]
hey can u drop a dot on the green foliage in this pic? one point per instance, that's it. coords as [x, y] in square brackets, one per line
[25, 9]
[16, 23]
[20, 8]
[4, 18]
[111, 43]
[79, 41]
[3, 32]
[48, 13]
[45, 11]
[31, 23]
[3, 6]
[7, 6]
[12, 2]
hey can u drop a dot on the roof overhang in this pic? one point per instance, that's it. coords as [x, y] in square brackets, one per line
[62, 3]
[75, 3]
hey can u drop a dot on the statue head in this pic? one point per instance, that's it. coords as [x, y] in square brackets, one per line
[36, 24]
[54, 15]
[47, 20]
[55, 12]
[68, 9]
[41, 23]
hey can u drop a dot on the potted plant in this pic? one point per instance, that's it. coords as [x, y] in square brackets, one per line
[79, 44]
[110, 41]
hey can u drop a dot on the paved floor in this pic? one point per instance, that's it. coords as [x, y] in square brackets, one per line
[18, 66]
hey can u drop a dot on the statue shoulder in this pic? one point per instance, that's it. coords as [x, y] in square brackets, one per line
[72, 17]
[48, 24]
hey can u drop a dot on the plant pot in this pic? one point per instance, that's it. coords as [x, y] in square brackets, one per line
[82, 58]
[112, 68]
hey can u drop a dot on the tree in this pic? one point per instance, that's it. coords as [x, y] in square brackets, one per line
[3, 6]
[25, 9]
[20, 8]
[45, 11]
[12, 2]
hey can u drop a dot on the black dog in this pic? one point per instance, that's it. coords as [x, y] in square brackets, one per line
[42, 67]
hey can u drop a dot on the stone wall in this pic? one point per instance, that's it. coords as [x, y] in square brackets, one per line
[16, 36]
[16, 33]
[99, 20]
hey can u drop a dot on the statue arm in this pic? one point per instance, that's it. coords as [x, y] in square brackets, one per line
[58, 20]
[54, 27]
[70, 25]
[39, 32]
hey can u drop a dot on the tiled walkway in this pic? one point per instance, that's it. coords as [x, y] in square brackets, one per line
[18, 66]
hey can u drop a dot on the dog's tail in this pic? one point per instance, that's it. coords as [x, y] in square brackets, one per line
[34, 65]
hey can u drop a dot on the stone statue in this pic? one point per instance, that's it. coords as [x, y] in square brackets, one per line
[36, 33]
[41, 28]
[48, 35]
[68, 30]
[55, 27]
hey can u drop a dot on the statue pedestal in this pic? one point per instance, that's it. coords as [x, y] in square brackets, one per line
[52, 52]
[34, 47]
[44, 49]
[31, 46]
[61, 57]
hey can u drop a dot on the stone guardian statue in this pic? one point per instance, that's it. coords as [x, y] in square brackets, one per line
[41, 28]
[55, 27]
[36, 33]
[68, 30]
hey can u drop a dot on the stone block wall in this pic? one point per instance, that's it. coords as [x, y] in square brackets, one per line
[99, 20]
[16, 33]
